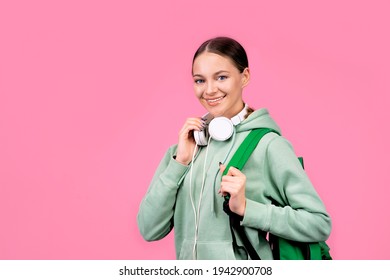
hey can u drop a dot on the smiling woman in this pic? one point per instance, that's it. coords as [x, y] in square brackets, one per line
[220, 71]
[188, 189]
[219, 84]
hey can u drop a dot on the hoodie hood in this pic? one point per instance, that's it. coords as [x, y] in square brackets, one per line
[258, 119]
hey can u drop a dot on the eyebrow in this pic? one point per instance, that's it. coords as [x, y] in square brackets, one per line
[216, 73]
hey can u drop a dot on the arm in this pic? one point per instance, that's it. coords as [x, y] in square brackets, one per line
[304, 218]
[155, 215]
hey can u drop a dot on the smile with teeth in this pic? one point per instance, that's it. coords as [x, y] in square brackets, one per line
[215, 100]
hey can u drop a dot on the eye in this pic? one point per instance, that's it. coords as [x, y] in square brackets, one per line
[199, 81]
[221, 78]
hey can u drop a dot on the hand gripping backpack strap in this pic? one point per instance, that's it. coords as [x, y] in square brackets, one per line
[238, 161]
[282, 248]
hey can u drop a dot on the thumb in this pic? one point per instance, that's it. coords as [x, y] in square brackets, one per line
[233, 171]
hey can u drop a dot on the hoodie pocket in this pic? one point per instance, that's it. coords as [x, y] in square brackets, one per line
[205, 250]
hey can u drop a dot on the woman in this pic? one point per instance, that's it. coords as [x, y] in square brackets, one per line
[186, 192]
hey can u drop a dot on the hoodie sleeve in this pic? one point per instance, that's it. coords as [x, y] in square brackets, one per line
[155, 215]
[301, 215]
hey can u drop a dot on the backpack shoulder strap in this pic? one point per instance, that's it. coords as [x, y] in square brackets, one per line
[238, 161]
[246, 148]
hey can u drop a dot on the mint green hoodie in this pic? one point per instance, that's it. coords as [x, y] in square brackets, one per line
[273, 172]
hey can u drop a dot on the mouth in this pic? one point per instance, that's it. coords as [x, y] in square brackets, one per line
[214, 101]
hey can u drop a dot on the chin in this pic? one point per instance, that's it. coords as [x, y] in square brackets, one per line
[216, 112]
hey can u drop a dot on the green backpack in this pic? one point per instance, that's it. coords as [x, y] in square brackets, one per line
[282, 249]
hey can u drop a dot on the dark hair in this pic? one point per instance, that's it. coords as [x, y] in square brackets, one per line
[226, 47]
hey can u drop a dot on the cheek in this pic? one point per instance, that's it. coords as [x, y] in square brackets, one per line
[227, 87]
[198, 90]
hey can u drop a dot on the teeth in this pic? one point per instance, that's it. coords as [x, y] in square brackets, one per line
[215, 100]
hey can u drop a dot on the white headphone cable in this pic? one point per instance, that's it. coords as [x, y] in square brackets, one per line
[197, 213]
[192, 200]
[192, 167]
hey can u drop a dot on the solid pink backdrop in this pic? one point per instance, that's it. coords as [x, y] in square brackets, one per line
[92, 93]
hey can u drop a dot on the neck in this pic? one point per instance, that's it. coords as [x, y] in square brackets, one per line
[241, 115]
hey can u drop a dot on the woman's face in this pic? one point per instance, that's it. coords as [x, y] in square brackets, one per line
[218, 84]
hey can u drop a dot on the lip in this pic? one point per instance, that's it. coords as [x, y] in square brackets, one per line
[214, 101]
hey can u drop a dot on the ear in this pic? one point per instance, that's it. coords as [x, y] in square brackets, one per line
[245, 77]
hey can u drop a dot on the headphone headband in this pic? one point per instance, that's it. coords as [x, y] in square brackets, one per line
[240, 116]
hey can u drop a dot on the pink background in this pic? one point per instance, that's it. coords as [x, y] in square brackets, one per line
[92, 93]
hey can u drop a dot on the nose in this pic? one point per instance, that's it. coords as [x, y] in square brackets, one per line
[211, 88]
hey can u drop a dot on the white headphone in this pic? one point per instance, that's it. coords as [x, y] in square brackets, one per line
[219, 128]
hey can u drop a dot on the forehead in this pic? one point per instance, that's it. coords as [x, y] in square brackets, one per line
[209, 63]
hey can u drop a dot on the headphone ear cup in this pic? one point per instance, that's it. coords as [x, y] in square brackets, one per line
[221, 128]
[201, 137]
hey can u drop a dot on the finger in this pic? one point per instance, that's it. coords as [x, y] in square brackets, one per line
[193, 124]
[222, 167]
[196, 121]
[223, 192]
[234, 172]
[233, 180]
[228, 189]
[190, 127]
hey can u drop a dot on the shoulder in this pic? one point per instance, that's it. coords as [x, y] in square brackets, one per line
[275, 148]
[274, 141]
